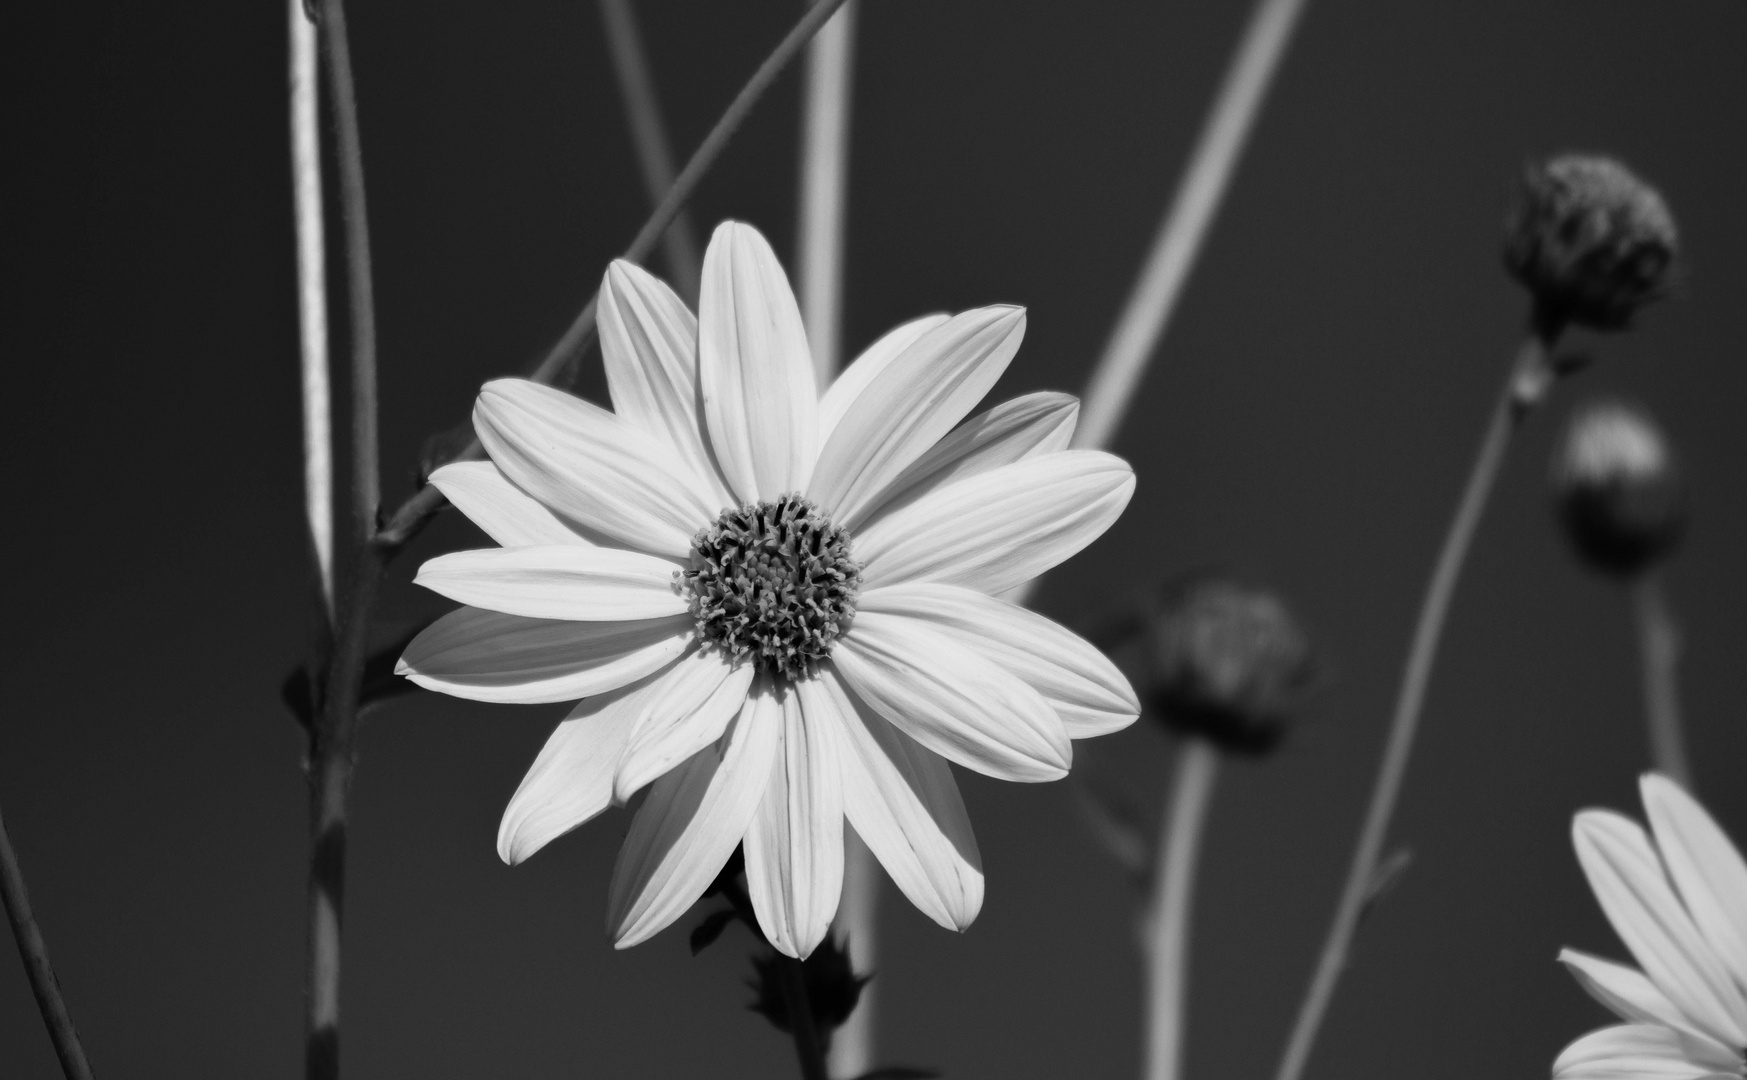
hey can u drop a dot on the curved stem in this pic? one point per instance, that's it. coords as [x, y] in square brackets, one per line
[423, 503]
[1659, 649]
[312, 299]
[1528, 381]
[1167, 921]
[34, 951]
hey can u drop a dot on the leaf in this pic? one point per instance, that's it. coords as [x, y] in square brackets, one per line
[705, 933]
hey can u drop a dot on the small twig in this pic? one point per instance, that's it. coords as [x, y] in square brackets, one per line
[1659, 648]
[419, 506]
[34, 951]
[649, 135]
[1529, 378]
[1167, 926]
[312, 298]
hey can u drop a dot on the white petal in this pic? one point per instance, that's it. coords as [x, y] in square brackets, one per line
[559, 582]
[1080, 683]
[951, 700]
[692, 709]
[1628, 881]
[571, 780]
[794, 848]
[993, 531]
[1027, 426]
[908, 407]
[1706, 868]
[761, 406]
[505, 512]
[489, 656]
[690, 823]
[852, 380]
[904, 804]
[1644, 1052]
[1623, 989]
[592, 467]
[649, 347]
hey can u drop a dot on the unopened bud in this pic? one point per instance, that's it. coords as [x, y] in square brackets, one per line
[1226, 662]
[1592, 241]
[1617, 488]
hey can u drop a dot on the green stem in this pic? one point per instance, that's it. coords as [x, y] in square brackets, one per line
[1167, 925]
[34, 951]
[1659, 648]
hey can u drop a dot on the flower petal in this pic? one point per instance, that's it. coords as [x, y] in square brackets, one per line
[1628, 882]
[1080, 683]
[597, 469]
[1705, 866]
[1027, 426]
[904, 804]
[690, 712]
[649, 347]
[794, 848]
[908, 407]
[571, 780]
[996, 530]
[1625, 990]
[489, 656]
[558, 582]
[761, 406]
[1644, 1052]
[690, 823]
[852, 380]
[505, 512]
[952, 700]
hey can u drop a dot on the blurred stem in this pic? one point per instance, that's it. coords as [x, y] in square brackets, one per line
[857, 925]
[1168, 909]
[824, 187]
[34, 952]
[422, 504]
[806, 1030]
[1530, 377]
[312, 299]
[1659, 648]
[1178, 241]
[649, 135]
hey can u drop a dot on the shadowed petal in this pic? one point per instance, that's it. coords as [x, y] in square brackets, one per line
[505, 512]
[852, 380]
[690, 823]
[690, 712]
[592, 467]
[998, 529]
[1705, 867]
[559, 582]
[1644, 1052]
[1625, 990]
[794, 847]
[490, 656]
[951, 700]
[903, 802]
[761, 406]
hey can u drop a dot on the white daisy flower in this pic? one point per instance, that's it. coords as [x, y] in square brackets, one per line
[779, 608]
[1677, 896]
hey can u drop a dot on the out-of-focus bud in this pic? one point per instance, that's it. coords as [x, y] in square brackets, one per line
[1617, 488]
[1226, 662]
[1592, 241]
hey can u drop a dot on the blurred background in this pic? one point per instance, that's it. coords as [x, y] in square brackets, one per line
[1306, 424]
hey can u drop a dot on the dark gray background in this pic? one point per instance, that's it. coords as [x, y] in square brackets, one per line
[1308, 423]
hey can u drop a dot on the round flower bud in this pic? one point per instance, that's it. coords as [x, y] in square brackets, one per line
[1592, 241]
[1226, 662]
[1617, 488]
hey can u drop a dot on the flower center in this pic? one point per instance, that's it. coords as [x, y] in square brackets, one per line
[772, 581]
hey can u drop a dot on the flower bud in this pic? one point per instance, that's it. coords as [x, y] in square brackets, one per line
[1617, 488]
[1592, 241]
[1226, 662]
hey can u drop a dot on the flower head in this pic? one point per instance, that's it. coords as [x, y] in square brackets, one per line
[1677, 896]
[1590, 240]
[778, 607]
[1617, 488]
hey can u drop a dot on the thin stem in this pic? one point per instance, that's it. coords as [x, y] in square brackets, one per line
[1185, 226]
[34, 951]
[649, 135]
[1659, 648]
[857, 924]
[1527, 383]
[801, 1022]
[825, 187]
[1167, 924]
[312, 298]
[424, 502]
